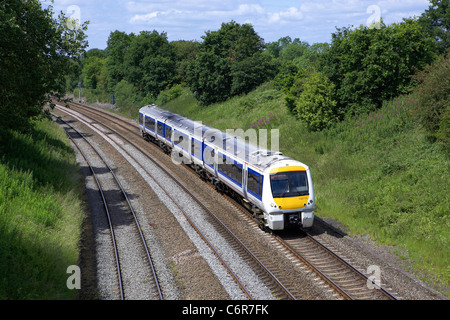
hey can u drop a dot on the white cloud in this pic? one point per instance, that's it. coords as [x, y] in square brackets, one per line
[142, 18]
[245, 9]
[290, 14]
[309, 20]
[249, 12]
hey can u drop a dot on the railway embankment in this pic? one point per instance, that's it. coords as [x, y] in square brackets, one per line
[41, 214]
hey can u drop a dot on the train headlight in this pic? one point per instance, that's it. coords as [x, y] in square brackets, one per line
[273, 205]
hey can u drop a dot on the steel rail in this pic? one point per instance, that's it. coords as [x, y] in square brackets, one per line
[350, 266]
[196, 228]
[131, 209]
[105, 205]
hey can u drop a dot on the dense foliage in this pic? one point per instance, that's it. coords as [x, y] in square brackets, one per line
[436, 20]
[37, 51]
[230, 62]
[370, 65]
[315, 104]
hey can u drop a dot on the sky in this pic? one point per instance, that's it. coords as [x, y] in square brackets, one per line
[308, 20]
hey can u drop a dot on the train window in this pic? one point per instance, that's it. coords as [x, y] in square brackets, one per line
[223, 167]
[236, 172]
[196, 148]
[254, 183]
[180, 140]
[160, 128]
[209, 156]
[231, 169]
[289, 184]
[150, 123]
[141, 118]
[168, 133]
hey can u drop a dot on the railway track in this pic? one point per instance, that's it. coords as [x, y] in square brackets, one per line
[119, 212]
[256, 265]
[347, 281]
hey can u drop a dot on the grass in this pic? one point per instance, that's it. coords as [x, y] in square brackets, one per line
[40, 213]
[377, 174]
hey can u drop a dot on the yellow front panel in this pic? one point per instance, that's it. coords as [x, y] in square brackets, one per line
[291, 202]
[287, 168]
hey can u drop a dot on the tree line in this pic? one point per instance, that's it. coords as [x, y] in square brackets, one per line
[322, 82]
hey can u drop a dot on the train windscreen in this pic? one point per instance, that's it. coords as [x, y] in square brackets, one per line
[289, 184]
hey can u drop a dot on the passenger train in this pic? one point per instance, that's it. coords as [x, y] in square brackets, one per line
[276, 189]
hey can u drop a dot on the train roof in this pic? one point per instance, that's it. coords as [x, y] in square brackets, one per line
[232, 144]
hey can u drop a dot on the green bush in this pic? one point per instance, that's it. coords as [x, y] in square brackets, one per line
[169, 94]
[127, 98]
[433, 108]
[316, 105]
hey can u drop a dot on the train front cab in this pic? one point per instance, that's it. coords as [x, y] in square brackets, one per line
[292, 198]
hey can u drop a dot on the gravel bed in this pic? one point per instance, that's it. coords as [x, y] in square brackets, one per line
[136, 274]
[308, 286]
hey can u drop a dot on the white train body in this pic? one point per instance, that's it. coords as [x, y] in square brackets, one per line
[279, 190]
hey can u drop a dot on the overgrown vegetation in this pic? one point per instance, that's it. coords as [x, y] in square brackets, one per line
[40, 190]
[433, 107]
[40, 213]
[323, 83]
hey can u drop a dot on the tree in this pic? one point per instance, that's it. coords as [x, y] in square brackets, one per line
[209, 78]
[36, 54]
[95, 73]
[285, 78]
[118, 44]
[310, 58]
[150, 62]
[436, 20]
[276, 47]
[294, 50]
[369, 65]
[229, 62]
[185, 53]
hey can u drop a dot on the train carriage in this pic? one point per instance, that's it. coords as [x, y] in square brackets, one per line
[277, 189]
